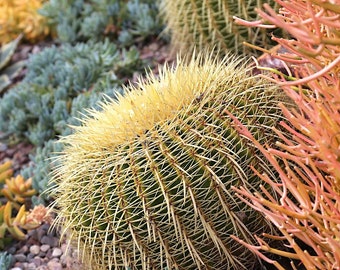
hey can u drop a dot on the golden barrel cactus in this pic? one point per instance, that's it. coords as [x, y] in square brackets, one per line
[207, 24]
[146, 182]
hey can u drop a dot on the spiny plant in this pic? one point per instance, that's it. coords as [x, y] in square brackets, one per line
[209, 24]
[9, 72]
[307, 209]
[145, 183]
[22, 17]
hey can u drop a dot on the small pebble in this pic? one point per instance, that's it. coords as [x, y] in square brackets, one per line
[57, 252]
[31, 266]
[20, 257]
[23, 250]
[42, 254]
[40, 233]
[35, 249]
[21, 265]
[42, 267]
[3, 147]
[64, 248]
[30, 256]
[37, 261]
[33, 234]
[11, 250]
[45, 248]
[63, 259]
[49, 254]
[53, 265]
[51, 241]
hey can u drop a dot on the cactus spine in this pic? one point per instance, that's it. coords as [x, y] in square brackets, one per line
[146, 182]
[203, 24]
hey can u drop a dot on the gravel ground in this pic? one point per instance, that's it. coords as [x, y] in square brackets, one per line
[42, 250]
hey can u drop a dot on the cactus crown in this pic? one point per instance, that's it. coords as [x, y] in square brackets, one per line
[155, 101]
[145, 183]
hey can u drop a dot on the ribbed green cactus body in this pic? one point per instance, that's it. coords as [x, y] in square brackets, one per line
[210, 24]
[146, 183]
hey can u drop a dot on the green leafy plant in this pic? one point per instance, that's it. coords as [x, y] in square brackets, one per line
[197, 25]
[306, 210]
[55, 77]
[60, 84]
[123, 21]
[145, 183]
[6, 260]
[9, 72]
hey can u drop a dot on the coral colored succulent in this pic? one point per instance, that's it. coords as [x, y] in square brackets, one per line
[17, 189]
[21, 16]
[308, 207]
[6, 171]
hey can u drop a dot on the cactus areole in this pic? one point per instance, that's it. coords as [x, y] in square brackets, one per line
[146, 182]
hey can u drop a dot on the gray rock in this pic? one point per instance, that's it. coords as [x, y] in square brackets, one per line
[21, 265]
[51, 241]
[11, 250]
[45, 248]
[30, 256]
[57, 252]
[37, 261]
[42, 254]
[63, 260]
[64, 248]
[42, 267]
[35, 249]
[54, 265]
[40, 233]
[31, 266]
[20, 257]
[33, 234]
[49, 254]
[23, 250]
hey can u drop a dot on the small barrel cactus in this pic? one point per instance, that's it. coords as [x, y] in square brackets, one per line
[198, 24]
[146, 183]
